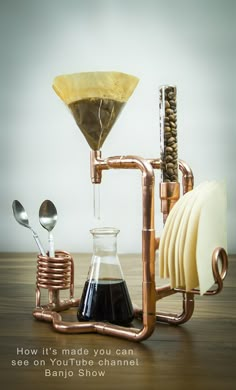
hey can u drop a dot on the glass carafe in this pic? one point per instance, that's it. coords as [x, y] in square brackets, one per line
[105, 295]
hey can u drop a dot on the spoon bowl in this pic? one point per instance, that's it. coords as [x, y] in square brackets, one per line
[48, 219]
[22, 218]
[20, 214]
[48, 215]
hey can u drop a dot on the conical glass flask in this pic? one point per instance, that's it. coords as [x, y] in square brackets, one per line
[105, 295]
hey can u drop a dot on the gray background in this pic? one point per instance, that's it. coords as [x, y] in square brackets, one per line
[190, 43]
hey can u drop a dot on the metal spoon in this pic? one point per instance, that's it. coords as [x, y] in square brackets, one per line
[22, 218]
[48, 219]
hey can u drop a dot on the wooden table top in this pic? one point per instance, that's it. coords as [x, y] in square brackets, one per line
[197, 355]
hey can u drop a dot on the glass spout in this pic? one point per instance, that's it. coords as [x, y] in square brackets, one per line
[96, 200]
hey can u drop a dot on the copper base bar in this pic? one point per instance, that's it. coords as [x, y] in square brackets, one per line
[57, 273]
[49, 312]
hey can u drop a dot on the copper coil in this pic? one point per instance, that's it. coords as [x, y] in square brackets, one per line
[54, 272]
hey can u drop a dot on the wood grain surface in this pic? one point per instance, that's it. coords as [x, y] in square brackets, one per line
[197, 355]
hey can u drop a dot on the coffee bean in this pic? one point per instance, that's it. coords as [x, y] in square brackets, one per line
[169, 111]
[170, 171]
[171, 141]
[167, 135]
[169, 158]
[171, 95]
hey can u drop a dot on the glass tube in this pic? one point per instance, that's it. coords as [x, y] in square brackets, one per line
[168, 133]
[96, 200]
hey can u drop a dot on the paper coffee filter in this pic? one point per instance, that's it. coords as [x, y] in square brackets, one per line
[106, 85]
[181, 235]
[189, 253]
[174, 231]
[167, 234]
[195, 227]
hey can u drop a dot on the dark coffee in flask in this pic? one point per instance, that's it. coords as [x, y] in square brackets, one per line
[105, 295]
[106, 300]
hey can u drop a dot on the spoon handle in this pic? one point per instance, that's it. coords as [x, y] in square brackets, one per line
[51, 245]
[37, 240]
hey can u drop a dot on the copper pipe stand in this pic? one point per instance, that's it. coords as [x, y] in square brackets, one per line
[55, 274]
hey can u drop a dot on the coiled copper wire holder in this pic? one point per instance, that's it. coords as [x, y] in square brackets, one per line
[57, 273]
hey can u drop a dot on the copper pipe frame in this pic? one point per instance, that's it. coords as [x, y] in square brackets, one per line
[148, 257]
[150, 243]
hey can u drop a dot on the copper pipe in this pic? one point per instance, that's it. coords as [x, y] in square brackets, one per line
[172, 318]
[148, 240]
[164, 291]
[177, 319]
[169, 194]
[157, 243]
[188, 306]
[219, 254]
[48, 313]
[155, 162]
[170, 191]
[86, 327]
[55, 274]
[97, 165]
[187, 176]
[149, 245]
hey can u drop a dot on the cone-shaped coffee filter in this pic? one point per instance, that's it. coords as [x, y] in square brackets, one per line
[95, 100]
